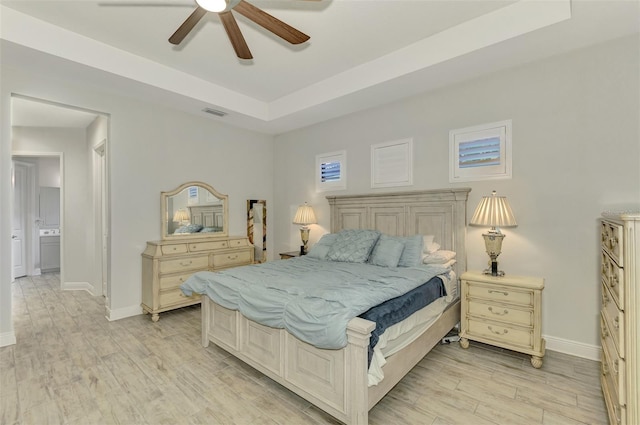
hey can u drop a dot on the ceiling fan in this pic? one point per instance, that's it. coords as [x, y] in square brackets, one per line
[223, 8]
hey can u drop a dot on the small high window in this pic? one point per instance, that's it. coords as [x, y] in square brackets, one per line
[331, 171]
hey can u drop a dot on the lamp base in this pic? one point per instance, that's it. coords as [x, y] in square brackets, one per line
[493, 271]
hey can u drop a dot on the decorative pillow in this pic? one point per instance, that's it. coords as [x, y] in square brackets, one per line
[321, 248]
[412, 253]
[353, 245]
[429, 246]
[441, 256]
[189, 228]
[387, 252]
[211, 229]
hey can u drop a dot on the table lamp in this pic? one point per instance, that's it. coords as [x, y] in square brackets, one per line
[305, 216]
[493, 211]
[181, 216]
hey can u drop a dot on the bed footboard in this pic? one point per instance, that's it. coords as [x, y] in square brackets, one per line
[333, 380]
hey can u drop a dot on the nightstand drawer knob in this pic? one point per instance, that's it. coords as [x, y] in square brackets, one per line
[498, 313]
[498, 292]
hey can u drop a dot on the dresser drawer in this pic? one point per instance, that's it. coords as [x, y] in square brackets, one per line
[502, 313]
[208, 246]
[499, 293]
[613, 276]
[611, 327]
[611, 238]
[229, 259]
[174, 281]
[238, 242]
[192, 263]
[174, 249]
[175, 296]
[501, 334]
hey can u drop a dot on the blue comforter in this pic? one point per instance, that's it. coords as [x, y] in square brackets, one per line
[312, 299]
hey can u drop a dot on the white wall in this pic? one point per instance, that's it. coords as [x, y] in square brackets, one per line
[150, 149]
[72, 143]
[576, 150]
[48, 172]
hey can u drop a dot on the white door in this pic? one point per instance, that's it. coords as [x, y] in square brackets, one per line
[18, 247]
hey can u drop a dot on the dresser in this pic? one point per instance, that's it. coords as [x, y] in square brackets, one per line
[167, 264]
[619, 327]
[505, 311]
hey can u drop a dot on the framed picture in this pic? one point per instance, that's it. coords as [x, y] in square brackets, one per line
[481, 152]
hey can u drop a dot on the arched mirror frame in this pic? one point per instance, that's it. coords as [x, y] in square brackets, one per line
[164, 197]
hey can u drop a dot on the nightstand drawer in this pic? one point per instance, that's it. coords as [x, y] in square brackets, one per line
[184, 264]
[500, 293]
[175, 296]
[502, 313]
[238, 242]
[231, 259]
[506, 335]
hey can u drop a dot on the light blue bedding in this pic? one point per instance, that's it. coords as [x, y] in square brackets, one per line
[313, 299]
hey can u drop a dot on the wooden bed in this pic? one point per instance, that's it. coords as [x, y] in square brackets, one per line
[336, 380]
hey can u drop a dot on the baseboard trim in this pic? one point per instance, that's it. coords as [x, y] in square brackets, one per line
[121, 313]
[7, 338]
[79, 286]
[574, 348]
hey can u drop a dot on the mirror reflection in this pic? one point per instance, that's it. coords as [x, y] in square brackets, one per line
[194, 209]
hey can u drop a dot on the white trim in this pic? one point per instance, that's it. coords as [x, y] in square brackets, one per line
[121, 313]
[79, 286]
[7, 338]
[574, 348]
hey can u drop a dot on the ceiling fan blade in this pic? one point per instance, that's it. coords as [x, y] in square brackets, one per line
[187, 25]
[235, 35]
[270, 23]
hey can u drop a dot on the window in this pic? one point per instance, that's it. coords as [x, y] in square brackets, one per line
[331, 171]
[192, 195]
[391, 164]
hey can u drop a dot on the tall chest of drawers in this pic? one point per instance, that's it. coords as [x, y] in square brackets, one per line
[619, 318]
[167, 264]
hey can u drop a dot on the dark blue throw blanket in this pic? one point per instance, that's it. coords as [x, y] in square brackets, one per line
[397, 309]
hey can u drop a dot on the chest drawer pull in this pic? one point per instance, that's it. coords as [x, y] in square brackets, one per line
[614, 280]
[616, 322]
[605, 297]
[504, 331]
[491, 291]
[232, 257]
[186, 263]
[605, 369]
[603, 329]
[497, 313]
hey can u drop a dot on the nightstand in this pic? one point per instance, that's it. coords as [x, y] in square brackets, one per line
[505, 311]
[287, 255]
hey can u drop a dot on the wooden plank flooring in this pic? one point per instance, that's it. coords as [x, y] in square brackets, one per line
[72, 366]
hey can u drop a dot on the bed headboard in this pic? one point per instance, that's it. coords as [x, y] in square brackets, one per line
[441, 212]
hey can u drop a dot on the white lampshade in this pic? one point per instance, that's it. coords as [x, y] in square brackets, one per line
[212, 5]
[305, 215]
[180, 216]
[493, 211]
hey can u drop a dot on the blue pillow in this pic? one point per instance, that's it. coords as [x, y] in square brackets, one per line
[321, 248]
[189, 228]
[353, 245]
[387, 252]
[412, 253]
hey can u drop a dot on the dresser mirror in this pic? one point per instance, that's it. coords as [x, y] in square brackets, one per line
[194, 209]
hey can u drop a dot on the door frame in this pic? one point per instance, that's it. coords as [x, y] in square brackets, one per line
[30, 225]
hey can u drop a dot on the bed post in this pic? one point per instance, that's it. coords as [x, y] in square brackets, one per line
[357, 400]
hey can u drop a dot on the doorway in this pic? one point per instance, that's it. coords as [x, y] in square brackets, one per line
[77, 137]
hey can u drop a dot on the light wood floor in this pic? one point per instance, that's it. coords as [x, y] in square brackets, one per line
[72, 366]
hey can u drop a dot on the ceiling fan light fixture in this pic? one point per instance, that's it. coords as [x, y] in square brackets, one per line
[212, 5]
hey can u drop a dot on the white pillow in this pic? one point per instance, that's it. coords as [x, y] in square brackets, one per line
[429, 246]
[439, 257]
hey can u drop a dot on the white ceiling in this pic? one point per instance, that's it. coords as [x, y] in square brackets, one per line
[361, 53]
